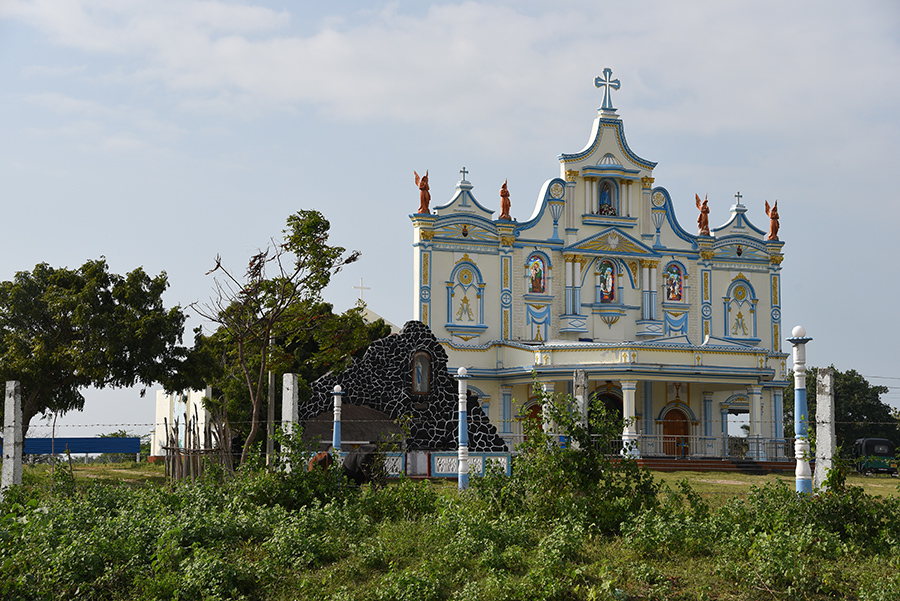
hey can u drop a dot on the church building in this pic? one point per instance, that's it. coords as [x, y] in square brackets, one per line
[602, 293]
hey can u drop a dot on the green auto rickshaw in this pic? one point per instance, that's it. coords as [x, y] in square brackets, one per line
[875, 455]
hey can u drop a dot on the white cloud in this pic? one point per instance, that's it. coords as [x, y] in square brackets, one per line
[723, 65]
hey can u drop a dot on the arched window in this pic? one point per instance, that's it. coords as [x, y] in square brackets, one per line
[606, 282]
[673, 280]
[537, 275]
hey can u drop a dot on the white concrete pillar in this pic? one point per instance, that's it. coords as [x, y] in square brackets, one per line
[13, 444]
[627, 211]
[826, 442]
[576, 285]
[653, 291]
[629, 434]
[580, 390]
[588, 201]
[570, 278]
[546, 421]
[290, 412]
[754, 397]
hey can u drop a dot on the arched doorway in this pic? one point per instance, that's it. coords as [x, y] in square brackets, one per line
[532, 416]
[675, 433]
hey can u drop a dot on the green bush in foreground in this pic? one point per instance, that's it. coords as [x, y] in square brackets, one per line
[571, 523]
[580, 480]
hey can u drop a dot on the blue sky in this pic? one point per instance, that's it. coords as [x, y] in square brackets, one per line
[162, 133]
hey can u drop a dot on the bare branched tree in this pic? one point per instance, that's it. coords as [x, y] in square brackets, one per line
[250, 311]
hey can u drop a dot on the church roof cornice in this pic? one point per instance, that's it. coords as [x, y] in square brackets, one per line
[617, 128]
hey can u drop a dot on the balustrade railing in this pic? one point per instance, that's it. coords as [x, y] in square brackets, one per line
[696, 447]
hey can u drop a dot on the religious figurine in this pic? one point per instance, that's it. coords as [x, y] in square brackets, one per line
[424, 194]
[703, 218]
[537, 275]
[773, 221]
[504, 202]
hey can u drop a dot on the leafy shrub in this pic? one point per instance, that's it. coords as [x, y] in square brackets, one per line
[408, 585]
[580, 480]
[407, 500]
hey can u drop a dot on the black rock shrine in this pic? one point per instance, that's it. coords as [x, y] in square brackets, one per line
[382, 380]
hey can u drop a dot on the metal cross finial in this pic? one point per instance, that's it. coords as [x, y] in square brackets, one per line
[361, 288]
[738, 197]
[464, 173]
[606, 82]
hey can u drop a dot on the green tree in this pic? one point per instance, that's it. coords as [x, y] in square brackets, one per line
[62, 330]
[310, 342]
[253, 311]
[859, 411]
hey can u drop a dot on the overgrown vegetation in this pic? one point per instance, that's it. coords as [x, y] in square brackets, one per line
[573, 522]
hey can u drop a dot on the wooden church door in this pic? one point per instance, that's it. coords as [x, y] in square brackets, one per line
[675, 433]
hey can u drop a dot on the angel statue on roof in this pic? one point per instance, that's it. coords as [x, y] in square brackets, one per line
[424, 194]
[703, 218]
[773, 221]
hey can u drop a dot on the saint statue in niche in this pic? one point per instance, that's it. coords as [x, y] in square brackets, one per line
[421, 373]
[607, 274]
[673, 283]
[606, 207]
[536, 275]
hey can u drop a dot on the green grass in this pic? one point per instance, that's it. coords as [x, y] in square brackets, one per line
[736, 484]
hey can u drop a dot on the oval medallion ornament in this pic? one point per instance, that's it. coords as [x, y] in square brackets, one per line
[706, 311]
[776, 314]
[465, 277]
[557, 190]
[659, 199]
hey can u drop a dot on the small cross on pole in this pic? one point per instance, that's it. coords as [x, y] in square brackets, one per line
[361, 288]
[464, 173]
[606, 82]
[738, 197]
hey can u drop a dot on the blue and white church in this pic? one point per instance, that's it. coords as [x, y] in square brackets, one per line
[604, 295]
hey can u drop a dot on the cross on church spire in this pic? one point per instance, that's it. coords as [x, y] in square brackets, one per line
[361, 288]
[607, 83]
[464, 173]
[738, 197]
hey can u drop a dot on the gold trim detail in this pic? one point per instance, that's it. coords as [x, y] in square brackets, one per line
[571, 175]
[776, 259]
[775, 290]
[507, 240]
[609, 320]
[707, 255]
[633, 266]
[425, 261]
[646, 182]
[465, 257]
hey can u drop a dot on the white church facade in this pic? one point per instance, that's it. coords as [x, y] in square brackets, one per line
[602, 293]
